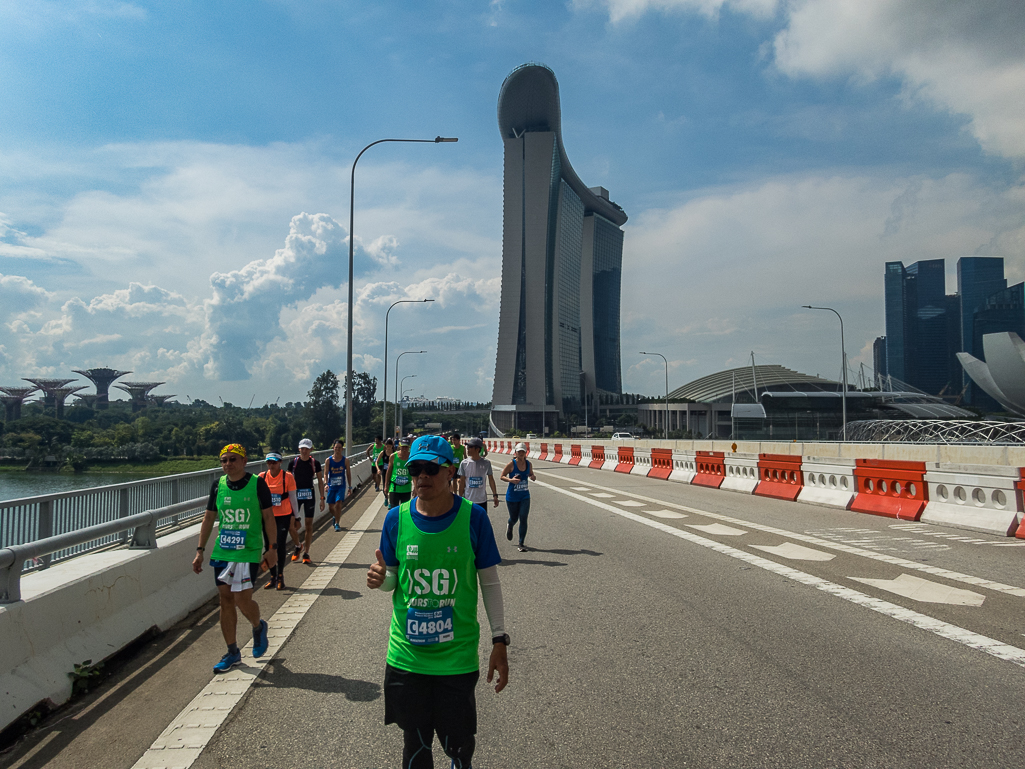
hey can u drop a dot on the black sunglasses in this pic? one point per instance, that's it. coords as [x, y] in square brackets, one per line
[431, 468]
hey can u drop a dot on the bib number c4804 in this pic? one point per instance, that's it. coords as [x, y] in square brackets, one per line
[231, 539]
[429, 626]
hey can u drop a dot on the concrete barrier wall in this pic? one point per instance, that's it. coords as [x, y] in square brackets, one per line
[741, 473]
[981, 498]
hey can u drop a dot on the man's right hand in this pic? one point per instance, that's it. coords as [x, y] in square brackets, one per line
[377, 572]
[197, 563]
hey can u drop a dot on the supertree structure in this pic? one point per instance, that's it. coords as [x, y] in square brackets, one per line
[140, 392]
[102, 377]
[12, 399]
[49, 387]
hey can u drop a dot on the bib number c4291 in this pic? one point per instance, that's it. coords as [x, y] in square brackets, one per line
[304, 494]
[429, 626]
[231, 539]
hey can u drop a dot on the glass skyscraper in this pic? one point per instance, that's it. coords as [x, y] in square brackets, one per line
[562, 253]
[978, 278]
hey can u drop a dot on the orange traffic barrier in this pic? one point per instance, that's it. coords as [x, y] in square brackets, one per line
[574, 455]
[544, 451]
[661, 464]
[1020, 486]
[890, 488]
[558, 453]
[597, 457]
[711, 469]
[626, 459]
[779, 476]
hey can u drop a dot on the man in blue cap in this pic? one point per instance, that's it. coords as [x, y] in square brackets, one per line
[435, 550]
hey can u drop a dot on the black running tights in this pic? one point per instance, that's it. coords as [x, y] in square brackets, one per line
[416, 750]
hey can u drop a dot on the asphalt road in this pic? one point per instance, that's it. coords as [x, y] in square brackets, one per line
[650, 628]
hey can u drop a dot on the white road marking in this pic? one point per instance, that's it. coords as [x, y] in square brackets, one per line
[185, 738]
[922, 621]
[581, 488]
[664, 514]
[795, 552]
[918, 589]
[629, 503]
[601, 495]
[717, 529]
[954, 576]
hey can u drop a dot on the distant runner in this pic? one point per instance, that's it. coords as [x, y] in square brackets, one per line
[459, 452]
[306, 470]
[373, 452]
[396, 477]
[473, 471]
[434, 552]
[282, 496]
[517, 495]
[337, 473]
[241, 504]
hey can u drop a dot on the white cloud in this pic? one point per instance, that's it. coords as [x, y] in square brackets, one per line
[624, 9]
[18, 295]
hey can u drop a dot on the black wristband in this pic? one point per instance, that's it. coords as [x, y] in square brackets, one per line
[502, 639]
[200, 549]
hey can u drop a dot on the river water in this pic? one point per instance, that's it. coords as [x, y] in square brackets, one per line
[15, 485]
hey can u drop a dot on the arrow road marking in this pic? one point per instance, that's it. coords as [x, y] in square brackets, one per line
[918, 589]
[795, 552]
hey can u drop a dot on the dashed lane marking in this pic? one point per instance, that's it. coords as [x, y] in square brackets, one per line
[629, 503]
[936, 571]
[664, 514]
[185, 738]
[795, 552]
[717, 529]
[916, 619]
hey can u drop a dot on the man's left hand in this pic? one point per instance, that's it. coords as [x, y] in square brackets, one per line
[499, 662]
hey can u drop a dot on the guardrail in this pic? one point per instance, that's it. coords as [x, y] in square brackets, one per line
[49, 516]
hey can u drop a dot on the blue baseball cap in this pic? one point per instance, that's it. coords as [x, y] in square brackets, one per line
[432, 448]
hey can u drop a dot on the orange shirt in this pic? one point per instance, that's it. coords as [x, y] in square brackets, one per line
[279, 486]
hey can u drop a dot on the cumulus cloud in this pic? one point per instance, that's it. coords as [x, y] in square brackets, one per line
[624, 9]
[18, 295]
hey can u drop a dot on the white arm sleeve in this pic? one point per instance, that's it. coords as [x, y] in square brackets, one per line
[491, 592]
[391, 578]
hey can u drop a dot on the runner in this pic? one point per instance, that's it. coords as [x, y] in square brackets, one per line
[337, 472]
[396, 477]
[240, 502]
[433, 667]
[282, 496]
[517, 495]
[373, 452]
[459, 452]
[306, 469]
[472, 472]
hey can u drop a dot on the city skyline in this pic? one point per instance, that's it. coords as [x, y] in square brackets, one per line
[174, 179]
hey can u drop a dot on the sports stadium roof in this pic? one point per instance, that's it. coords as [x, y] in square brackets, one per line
[719, 387]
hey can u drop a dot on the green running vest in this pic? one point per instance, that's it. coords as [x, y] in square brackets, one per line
[239, 524]
[434, 628]
[399, 473]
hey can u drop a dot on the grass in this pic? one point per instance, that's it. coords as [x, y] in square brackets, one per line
[163, 467]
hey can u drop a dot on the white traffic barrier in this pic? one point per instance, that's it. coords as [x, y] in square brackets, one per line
[977, 497]
[828, 481]
[684, 467]
[535, 451]
[611, 458]
[642, 462]
[741, 473]
[567, 453]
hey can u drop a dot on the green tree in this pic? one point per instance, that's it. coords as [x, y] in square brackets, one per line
[323, 415]
[364, 398]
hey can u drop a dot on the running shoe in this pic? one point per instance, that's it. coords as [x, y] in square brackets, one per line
[337, 527]
[296, 554]
[522, 548]
[508, 532]
[270, 583]
[228, 661]
[260, 642]
[281, 583]
[306, 559]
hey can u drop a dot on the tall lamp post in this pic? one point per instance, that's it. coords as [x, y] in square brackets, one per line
[352, 202]
[843, 355]
[397, 390]
[384, 386]
[663, 357]
[402, 393]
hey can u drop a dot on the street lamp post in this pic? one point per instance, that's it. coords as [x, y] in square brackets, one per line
[397, 390]
[402, 394]
[663, 357]
[843, 355]
[352, 201]
[384, 386]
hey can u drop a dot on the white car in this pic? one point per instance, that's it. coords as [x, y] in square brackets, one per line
[622, 437]
[531, 436]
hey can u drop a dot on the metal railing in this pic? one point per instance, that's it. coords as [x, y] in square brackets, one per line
[43, 517]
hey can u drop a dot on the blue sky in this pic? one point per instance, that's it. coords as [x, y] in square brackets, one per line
[174, 177]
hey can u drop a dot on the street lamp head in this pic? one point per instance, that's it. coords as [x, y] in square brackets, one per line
[440, 139]
[807, 306]
[428, 300]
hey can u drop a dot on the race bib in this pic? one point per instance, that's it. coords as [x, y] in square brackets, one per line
[275, 499]
[520, 486]
[336, 480]
[475, 482]
[304, 494]
[231, 539]
[401, 480]
[431, 626]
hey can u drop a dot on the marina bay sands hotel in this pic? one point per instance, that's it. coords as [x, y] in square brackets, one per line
[562, 255]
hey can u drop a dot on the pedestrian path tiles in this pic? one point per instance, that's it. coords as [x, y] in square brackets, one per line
[795, 552]
[918, 589]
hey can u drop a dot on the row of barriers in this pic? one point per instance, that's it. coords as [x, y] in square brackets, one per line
[986, 498]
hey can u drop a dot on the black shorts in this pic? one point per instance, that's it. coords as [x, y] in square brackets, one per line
[219, 566]
[396, 498]
[445, 703]
[306, 507]
[373, 469]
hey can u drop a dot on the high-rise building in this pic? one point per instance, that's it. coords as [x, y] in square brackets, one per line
[879, 357]
[896, 318]
[562, 253]
[916, 325]
[978, 278]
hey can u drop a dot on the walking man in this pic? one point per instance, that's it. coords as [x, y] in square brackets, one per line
[396, 478]
[459, 452]
[337, 473]
[241, 503]
[434, 552]
[373, 452]
[472, 472]
[284, 506]
[306, 470]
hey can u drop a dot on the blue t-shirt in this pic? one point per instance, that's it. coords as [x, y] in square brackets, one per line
[482, 536]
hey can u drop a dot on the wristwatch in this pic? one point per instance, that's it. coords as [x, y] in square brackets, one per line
[504, 639]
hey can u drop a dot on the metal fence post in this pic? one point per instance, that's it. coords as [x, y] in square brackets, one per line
[122, 511]
[175, 498]
[45, 529]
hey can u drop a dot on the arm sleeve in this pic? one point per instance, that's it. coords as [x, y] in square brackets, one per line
[391, 579]
[211, 503]
[263, 494]
[491, 592]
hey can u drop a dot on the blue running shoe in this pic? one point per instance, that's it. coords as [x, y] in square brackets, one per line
[260, 642]
[228, 661]
[337, 527]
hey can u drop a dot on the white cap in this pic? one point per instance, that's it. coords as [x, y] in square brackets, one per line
[520, 447]
[306, 443]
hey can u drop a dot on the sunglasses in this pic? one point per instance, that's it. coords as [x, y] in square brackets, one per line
[430, 468]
